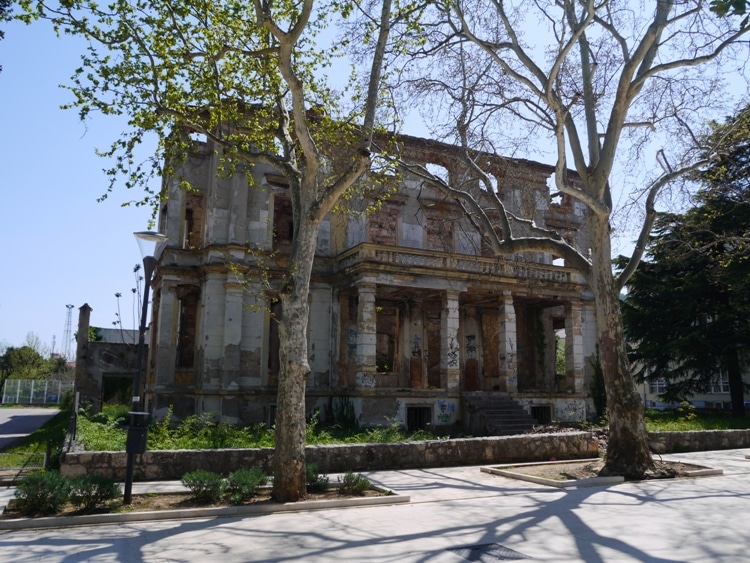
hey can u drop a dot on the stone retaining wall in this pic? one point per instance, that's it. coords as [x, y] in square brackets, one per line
[698, 441]
[166, 464]
[173, 464]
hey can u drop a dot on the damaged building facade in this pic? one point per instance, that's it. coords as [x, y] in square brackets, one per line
[411, 316]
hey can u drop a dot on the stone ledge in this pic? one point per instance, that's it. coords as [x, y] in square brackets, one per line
[173, 464]
[698, 441]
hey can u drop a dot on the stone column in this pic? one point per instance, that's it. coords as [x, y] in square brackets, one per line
[574, 361]
[165, 328]
[508, 344]
[367, 324]
[211, 338]
[232, 335]
[87, 387]
[449, 345]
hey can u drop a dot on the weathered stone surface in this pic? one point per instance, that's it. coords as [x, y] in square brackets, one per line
[698, 441]
[173, 464]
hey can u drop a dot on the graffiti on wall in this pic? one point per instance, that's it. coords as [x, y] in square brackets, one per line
[416, 347]
[352, 339]
[508, 360]
[446, 411]
[365, 379]
[471, 346]
[452, 353]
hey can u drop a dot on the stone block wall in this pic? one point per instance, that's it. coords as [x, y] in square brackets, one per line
[170, 465]
[698, 441]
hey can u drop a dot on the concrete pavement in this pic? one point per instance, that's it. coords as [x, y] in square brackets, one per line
[15, 423]
[456, 514]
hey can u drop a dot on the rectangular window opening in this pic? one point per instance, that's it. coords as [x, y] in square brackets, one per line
[542, 413]
[418, 418]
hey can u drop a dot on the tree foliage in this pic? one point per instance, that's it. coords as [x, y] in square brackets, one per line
[687, 312]
[248, 78]
[24, 362]
[4, 16]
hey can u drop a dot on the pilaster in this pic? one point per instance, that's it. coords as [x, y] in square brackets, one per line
[508, 344]
[367, 323]
[449, 345]
[574, 361]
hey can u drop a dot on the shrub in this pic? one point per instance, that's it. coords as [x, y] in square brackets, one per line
[106, 436]
[89, 491]
[205, 485]
[316, 482]
[243, 484]
[353, 484]
[43, 492]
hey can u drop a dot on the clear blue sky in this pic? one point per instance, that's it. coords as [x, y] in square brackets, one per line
[59, 246]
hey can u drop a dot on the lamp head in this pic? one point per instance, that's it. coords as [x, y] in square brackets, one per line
[150, 243]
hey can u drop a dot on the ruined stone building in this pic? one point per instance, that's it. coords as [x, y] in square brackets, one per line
[412, 318]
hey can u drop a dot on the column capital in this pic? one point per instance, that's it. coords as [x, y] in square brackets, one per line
[365, 286]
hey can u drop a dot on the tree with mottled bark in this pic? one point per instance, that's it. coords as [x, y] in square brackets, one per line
[247, 77]
[606, 84]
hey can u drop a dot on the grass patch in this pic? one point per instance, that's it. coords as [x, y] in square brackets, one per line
[687, 418]
[51, 432]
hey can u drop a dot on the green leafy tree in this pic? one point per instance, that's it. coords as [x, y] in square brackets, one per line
[687, 312]
[731, 8]
[24, 362]
[4, 16]
[247, 77]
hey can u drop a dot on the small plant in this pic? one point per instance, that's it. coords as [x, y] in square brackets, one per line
[205, 485]
[243, 484]
[43, 492]
[316, 483]
[90, 491]
[353, 484]
[686, 412]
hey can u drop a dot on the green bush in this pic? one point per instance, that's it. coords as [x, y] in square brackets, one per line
[90, 491]
[353, 484]
[205, 485]
[111, 413]
[42, 492]
[107, 436]
[316, 482]
[243, 484]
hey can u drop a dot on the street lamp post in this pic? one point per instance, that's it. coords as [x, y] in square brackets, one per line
[150, 245]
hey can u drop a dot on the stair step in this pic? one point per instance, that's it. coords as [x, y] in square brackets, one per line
[500, 415]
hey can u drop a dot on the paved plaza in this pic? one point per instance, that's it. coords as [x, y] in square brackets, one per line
[455, 515]
[15, 423]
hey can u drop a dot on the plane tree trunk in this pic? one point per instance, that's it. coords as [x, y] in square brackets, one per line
[627, 448]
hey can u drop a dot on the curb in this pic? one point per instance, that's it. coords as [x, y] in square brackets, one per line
[505, 471]
[188, 513]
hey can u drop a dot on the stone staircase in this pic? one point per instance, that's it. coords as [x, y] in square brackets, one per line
[496, 415]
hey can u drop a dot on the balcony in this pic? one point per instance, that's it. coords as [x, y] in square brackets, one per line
[417, 260]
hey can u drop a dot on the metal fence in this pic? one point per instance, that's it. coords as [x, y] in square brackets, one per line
[34, 391]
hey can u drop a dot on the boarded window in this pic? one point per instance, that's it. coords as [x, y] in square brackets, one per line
[187, 327]
[192, 228]
[283, 224]
[386, 355]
